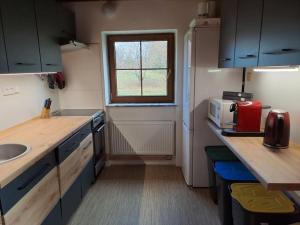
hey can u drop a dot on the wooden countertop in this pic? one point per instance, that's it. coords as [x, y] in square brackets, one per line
[275, 169]
[42, 136]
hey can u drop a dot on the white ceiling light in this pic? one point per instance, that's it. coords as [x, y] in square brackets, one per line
[109, 8]
[214, 70]
[277, 69]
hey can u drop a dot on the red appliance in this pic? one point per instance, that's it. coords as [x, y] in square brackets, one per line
[247, 116]
[277, 129]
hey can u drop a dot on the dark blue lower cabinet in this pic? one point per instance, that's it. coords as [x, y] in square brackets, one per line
[20, 186]
[54, 216]
[71, 200]
[87, 177]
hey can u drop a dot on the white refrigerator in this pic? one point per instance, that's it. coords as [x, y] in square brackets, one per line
[202, 79]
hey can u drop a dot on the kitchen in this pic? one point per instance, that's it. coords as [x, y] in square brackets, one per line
[142, 182]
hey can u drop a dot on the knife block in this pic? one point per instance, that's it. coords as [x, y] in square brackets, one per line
[45, 114]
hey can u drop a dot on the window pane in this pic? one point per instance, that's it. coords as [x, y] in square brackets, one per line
[154, 82]
[155, 54]
[127, 55]
[128, 82]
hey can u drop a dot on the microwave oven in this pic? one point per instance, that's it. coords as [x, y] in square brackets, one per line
[219, 112]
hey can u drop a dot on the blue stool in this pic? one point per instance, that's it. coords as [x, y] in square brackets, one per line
[227, 174]
[215, 154]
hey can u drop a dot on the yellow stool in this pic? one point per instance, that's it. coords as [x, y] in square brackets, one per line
[253, 205]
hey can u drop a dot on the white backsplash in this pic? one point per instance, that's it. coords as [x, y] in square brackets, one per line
[28, 102]
[281, 90]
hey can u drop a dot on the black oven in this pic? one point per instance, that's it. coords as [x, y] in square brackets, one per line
[99, 141]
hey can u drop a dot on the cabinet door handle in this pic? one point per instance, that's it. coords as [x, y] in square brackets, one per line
[226, 59]
[282, 51]
[51, 64]
[84, 134]
[73, 145]
[100, 129]
[87, 145]
[247, 57]
[35, 176]
[25, 64]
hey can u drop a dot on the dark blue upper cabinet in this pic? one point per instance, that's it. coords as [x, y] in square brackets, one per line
[228, 30]
[48, 32]
[21, 38]
[248, 33]
[280, 39]
[3, 59]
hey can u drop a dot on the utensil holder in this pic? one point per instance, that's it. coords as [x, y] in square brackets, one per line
[45, 114]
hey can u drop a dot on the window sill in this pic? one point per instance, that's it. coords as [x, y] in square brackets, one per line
[141, 105]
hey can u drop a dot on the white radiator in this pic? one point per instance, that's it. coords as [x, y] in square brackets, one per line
[142, 137]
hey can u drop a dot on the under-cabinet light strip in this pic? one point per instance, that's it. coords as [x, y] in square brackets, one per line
[18, 74]
[277, 69]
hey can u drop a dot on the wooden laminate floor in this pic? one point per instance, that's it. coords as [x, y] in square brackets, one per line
[144, 195]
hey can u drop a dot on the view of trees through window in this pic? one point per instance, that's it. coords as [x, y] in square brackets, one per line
[141, 68]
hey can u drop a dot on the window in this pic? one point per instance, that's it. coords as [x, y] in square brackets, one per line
[141, 68]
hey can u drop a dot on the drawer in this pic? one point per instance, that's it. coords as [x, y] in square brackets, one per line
[69, 170]
[85, 131]
[36, 205]
[16, 189]
[66, 148]
[54, 216]
[86, 150]
[71, 200]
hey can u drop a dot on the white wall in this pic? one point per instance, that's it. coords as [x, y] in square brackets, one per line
[28, 103]
[280, 90]
[84, 81]
[83, 68]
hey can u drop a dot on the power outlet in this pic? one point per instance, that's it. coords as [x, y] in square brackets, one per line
[7, 91]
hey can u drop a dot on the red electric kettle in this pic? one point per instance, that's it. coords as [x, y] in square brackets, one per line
[277, 129]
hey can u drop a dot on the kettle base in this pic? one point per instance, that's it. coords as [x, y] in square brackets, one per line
[275, 147]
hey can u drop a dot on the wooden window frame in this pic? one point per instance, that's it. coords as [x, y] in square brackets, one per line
[170, 38]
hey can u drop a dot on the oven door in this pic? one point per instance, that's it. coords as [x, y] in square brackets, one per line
[99, 147]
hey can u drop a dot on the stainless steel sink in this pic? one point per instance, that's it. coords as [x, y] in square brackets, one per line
[10, 152]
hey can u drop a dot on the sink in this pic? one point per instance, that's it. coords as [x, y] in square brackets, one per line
[10, 152]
